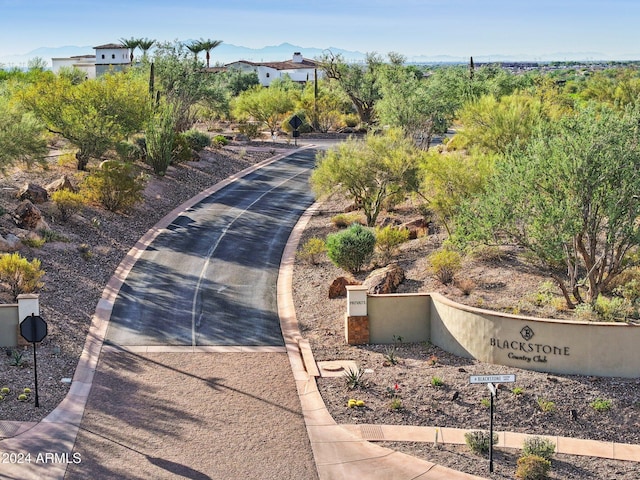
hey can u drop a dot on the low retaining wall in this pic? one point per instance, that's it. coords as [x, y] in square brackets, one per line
[552, 346]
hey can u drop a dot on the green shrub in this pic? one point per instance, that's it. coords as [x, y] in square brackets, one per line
[532, 467]
[115, 185]
[343, 220]
[612, 309]
[437, 382]
[350, 249]
[444, 264]
[251, 130]
[198, 140]
[478, 441]
[67, 202]
[546, 406]
[311, 249]
[129, 152]
[220, 141]
[388, 239]
[517, 390]
[351, 120]
[182, 151]
[601, 405]
[34, 242]
[538, 446]
[161, 137]
[22, 275]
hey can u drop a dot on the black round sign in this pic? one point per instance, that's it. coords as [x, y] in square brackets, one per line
[33, 328]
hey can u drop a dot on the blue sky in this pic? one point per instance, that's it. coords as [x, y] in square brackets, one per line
[411, 27]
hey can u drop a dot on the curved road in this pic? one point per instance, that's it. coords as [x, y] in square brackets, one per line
[210, 278]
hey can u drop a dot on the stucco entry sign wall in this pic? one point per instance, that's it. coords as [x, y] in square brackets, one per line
[528, 350]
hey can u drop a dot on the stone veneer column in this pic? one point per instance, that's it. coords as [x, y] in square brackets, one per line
[356, 325]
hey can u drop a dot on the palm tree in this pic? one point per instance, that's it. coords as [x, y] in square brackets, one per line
[145, 44]
[207, 46]
[131, 44]
[195, 47]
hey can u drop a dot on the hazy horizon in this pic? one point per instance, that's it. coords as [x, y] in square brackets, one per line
[458, 28]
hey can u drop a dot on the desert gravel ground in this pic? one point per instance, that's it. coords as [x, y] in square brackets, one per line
[197, 415]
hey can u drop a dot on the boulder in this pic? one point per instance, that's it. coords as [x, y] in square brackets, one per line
[384, 280]
[10, 243]
[63, 183]
[34, 193]
[417, 228]
[338, 288]
[28, 216]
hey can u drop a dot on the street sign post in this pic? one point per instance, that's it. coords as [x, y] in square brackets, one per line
[33, 329]
[295, 123]
[490, 380]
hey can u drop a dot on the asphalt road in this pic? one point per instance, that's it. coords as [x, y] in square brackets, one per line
[210, 278]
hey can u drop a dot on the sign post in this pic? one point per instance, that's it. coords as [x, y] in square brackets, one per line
[295, 123]
[490, 380]
[33, 329]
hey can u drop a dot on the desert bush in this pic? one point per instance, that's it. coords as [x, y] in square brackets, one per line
[115, 185]
[198, 140]
[478, 441]
[614, 309]
[532, 467]
[129, 152]
[601, 405]
[539, 446]
[350, 249]
[466, 285]
[250, 129]
[160, 134]
[182, 150]
[220, 141]
[444, 264]
[343, 220]
[546, 406]
[67, 202]
[20, 274]
[311, 250]
[351, 120]
[388, 239]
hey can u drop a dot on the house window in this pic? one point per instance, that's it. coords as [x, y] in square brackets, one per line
[113, 56]
[103, 56]
[267, 75]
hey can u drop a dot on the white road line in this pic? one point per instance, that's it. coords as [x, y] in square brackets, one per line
[213, 249]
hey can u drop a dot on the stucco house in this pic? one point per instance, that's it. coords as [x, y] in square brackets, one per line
[299, 69]
[109, 57]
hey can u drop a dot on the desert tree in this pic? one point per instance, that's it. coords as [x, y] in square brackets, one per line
[378, 169]
[569, 198]
[93, 115]
[266, 105]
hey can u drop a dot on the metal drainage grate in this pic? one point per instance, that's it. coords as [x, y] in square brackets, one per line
[372, 433]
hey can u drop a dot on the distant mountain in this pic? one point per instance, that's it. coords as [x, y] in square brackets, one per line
[227, 53]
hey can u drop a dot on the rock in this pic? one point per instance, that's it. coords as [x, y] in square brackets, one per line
[34, 193]
[384, 280]
[417, 228]
[28, 216]
[63, 183]
[10, 243]
[339, 286]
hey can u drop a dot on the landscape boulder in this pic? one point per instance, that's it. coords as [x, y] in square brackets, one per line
[34, 193]
[417, 228]
[29, 217]
[384, 280]
[63, 183]
[338, 288]
[10, 243]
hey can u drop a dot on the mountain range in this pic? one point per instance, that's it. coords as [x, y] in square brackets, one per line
[226, 53]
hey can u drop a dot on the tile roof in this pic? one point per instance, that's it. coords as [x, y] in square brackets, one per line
[286, 65]
[110, 46]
